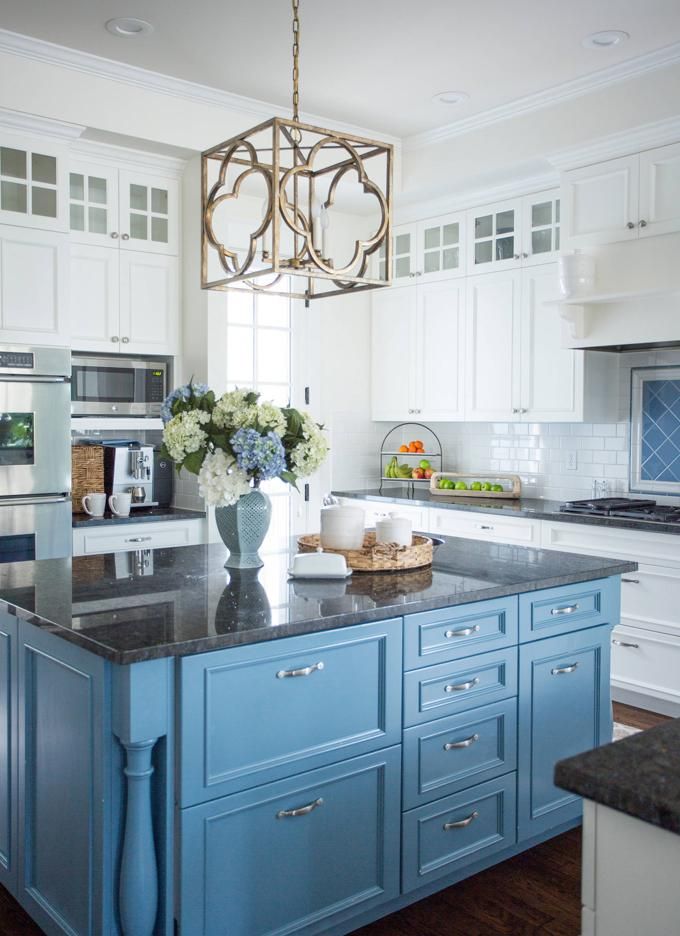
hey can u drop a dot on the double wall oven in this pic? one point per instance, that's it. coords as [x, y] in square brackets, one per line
[35, 453]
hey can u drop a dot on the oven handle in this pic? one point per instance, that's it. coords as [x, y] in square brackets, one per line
[35, 500]
[32, 378]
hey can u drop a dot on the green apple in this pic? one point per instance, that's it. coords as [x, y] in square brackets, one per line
[498, 488]
[424, 464]
[476, 486]
[461, 486]
[486, 486]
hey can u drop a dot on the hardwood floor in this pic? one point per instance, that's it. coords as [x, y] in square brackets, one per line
[536, 892]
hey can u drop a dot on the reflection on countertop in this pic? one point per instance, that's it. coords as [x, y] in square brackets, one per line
[142, 515]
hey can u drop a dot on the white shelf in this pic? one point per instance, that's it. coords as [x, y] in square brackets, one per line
[81, 423]
[420, 454]
[604, 298]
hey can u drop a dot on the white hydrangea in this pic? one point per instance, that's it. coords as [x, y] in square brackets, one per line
[308, 455]
[220, 481]
[270, 416]
[233, 410]
[183, 434]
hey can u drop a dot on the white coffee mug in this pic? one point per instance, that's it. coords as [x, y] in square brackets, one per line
[94, 504]
[394, 529]
[119, 504]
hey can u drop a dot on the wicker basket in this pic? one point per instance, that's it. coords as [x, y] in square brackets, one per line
[87, 472]
[378, 557]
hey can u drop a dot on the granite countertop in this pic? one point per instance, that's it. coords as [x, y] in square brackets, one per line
[639, 775]
[535, 507]
[143, 605]
[150, 515]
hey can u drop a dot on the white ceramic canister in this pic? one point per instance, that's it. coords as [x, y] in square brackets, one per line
[576, 274]
[342, 527]
[394, 529]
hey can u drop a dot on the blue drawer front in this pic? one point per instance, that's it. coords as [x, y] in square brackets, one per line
[452, 833]
[568, 608]
[564, 709]
[460, 685]
[438, 636]
[243, 722]
[451, 753]
[247, 871]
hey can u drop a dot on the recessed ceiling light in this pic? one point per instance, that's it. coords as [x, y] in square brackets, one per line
[127, 26]
[605, 39]
[451, 97]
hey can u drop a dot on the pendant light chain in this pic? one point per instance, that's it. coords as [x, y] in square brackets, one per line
[296, 60]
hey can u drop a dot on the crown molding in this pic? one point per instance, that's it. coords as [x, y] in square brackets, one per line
[122, 156]
[30, 124]
[646, 136]
[50, 53]
[614, 74]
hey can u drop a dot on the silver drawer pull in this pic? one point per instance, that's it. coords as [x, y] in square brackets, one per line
[305, 671]
[461, 687]
[568, 610]
[137, 539]
[484, 526]
[560, 670]
[463, 632]
[301, 811]
[631, 581]
[623, 643]
[454, 745]
[462, 823]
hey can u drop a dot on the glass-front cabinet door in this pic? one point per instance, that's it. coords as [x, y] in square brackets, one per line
[404, 255]
[441, 247]
[149, 213]
[93, 204]
[32, 184]
[494, 237]
[540, 227]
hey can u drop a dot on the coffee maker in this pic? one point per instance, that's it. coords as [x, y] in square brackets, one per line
[128, 469]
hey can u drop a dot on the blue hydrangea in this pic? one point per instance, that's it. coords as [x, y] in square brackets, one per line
[184, 394]
[259, 455]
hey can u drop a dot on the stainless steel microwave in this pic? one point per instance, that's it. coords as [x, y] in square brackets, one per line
[117, 386]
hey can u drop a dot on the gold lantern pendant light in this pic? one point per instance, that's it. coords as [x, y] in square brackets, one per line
[299, 173]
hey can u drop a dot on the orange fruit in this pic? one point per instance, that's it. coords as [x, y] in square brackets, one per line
[419, 444]
[412, 447]
[403, 448]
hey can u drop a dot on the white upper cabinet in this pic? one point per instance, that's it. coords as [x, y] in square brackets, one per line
[659, 191]
[494, 237]
[404, 247]
[94, 298]
[600, 204]
[392, 347]
[93, 204]
[33, 183]
[430, 251]
[541, 226]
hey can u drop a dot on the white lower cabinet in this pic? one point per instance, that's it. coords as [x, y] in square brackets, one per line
[519, 531]
[124, 537]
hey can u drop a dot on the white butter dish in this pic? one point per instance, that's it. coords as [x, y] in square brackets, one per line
[319, 565]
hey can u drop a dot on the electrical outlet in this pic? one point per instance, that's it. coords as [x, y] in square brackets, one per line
[572, 461]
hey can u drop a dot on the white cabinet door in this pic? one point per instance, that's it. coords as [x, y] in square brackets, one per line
[149, 213]
[551, 376]
[149, 303]
[392, 351]
[93, 204]
[440, 351]
[540, 227]
[33, 184]
[600, 203]
[33, 286]
[494, 241]
[94, 298]
[441, 248]
[492, 342]
[660, 191]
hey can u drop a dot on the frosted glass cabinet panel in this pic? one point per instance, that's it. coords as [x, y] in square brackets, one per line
[148, 213]
[541, 227]
[93, 204]
[32, 184]
[404, 246]
[441, 247]
[494, 237]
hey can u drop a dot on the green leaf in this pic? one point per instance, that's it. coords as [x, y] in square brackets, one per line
[290, 478]
[194, 460]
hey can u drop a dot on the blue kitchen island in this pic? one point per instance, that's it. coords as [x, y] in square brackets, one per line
[186, 749]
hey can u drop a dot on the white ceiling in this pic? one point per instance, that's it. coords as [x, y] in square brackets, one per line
[371, 63]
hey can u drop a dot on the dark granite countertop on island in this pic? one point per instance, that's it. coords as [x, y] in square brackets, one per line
[639, 776]
[139, 515]
[535, 507]
[129, 607]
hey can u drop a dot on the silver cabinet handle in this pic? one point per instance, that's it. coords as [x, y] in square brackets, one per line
[138, 539]
[515, 256]
[126, 237]
[524, 410]
[631, 581]
[114, 235]
[484, 526]
[125, 340]
[461, 687]
[515, 409]
[463, 632]
[524, 256]
[304, 671]
[569, 609]
[462, 823]
[623, 643]
[115, 339]
[454, 745]
[412, 275]
[561, 670]
[630, 225]
[300, 811]
[642, 223]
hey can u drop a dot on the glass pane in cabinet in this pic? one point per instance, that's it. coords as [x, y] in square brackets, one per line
[450, 259]
[402, 267]
[382, 251]
[138, 226]
[44, 202]
[77, 219]
[483, 252]
[12, 162]
[402, 244]
[138, 199]
[159, 201]
[159, 230]
[557, 238]
[541, 214]
[557, 211]
[505, 248]
[484, 226]
[505, 222]
[432, 262]
[96, 190]
[382, 270]
[13, 197]
[76, 186]
[273, 353]
[97, 220]
[451, 234]
[541, 241]
[240, 354]
[432, 237]
[44, 169]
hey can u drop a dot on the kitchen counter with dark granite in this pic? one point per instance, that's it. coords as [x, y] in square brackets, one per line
[639, 775]
[144, 605]
[148, 515]
[534, 507]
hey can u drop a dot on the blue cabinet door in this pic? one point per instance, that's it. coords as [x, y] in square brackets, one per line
[8, 759]
[564, 709]
[295, 855]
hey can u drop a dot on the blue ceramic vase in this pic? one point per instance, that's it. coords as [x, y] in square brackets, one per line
[243, 527]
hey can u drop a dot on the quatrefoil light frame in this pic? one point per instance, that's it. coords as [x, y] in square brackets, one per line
[290, 155]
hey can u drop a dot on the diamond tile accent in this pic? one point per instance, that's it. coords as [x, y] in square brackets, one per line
[661, 431]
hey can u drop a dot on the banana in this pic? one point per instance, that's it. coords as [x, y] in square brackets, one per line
[390, 468]
[404, 471]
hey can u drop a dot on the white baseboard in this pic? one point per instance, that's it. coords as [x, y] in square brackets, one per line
[644, 701]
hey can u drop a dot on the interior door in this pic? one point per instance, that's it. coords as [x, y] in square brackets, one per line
[440, 350]
[660, 191]
[94, 298]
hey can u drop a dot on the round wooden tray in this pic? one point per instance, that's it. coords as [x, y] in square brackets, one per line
[378, 557]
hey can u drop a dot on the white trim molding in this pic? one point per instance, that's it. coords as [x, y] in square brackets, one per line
[31, 125]
[124, 157]
[614, 74]
[625, 143]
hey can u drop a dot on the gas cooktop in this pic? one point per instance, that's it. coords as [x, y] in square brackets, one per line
[624, 507]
